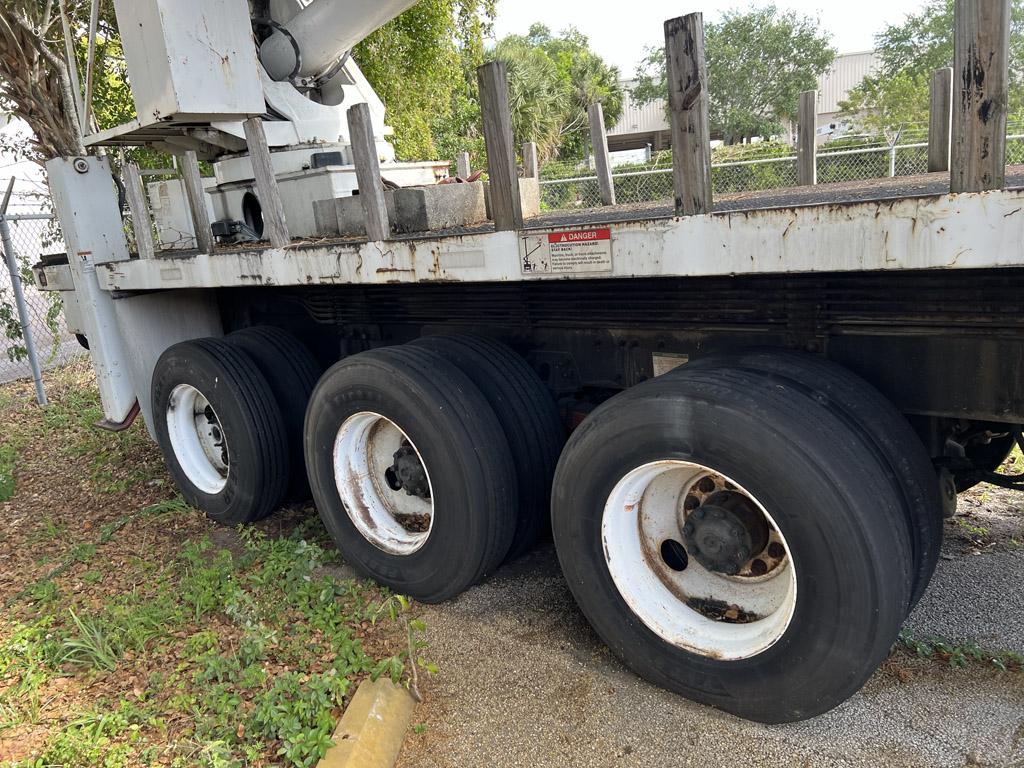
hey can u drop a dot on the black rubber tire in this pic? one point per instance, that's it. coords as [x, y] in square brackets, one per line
[823, 486]
[292, 372]
[463, 448]
[251, 421]
[865, 409]
[529, 418]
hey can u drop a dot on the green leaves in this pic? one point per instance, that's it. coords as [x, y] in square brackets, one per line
[758, 63]
[553, 80]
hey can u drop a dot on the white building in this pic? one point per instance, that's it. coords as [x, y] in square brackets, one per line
[643, 125]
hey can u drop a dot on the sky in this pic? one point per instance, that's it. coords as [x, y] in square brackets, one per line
[620, 31]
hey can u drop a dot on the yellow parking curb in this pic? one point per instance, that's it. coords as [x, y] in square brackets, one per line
[372, 730]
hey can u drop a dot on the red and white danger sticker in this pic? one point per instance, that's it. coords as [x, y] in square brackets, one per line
[575, 251]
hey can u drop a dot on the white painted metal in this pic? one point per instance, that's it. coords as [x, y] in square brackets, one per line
[364, 450]
[968, 231]
[323, 31]
[644, 510]
[85, 199]
[197, 439]
[151, 323]
[176, 45]
[172, 215]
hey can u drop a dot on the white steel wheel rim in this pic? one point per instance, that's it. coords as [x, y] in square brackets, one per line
[364, 451]
[647, 507]
[197, 439]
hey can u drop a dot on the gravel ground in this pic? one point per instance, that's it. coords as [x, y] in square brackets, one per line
[525, 682]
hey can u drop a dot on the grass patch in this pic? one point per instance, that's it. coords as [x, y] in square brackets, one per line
[133, 638]
[961, 655]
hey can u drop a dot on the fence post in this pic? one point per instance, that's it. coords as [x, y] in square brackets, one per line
[22, 306]
[506, 198]
[689, 108]
[142, 223]
[940, 119]
[807, 141]
[531, 168]
[367, 162]
[193, 181]
[602, 160]
[462, 167]
[275, 226]
[892, 161]
[981, 77]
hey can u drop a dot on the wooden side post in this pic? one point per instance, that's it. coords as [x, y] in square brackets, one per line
[807, 143]
[602, 160]
[275, 226]
[463, 169]
[981, 92]
[367, 162]
[142, 222]
[506, 202]
[688, 108]
[531, 168]
[940, 117]
[193, 179]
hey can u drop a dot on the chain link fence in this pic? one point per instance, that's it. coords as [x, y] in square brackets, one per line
[26, 238]
[566, 186]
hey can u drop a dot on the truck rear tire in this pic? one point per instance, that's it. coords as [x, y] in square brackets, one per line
[529, 419]
[411, 472]
[220, 430]
[664, 493]
[868, 411]
[292, 373]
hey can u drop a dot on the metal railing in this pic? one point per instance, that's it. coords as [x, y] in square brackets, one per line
[580, 189]
[33, 334]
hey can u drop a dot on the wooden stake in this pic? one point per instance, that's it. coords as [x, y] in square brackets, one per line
[367, 162]
[980, 95]
[142, 222]
[688, 108]
[463, 169]
[940, 116]
[506, 202]
[531, 168]
[807, 143]
[602, 160]
[275, 226]
[193, 179]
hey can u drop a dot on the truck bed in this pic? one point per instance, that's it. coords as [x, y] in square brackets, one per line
[907, 223]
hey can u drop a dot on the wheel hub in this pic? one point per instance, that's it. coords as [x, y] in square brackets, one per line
[725, 532]
[408, 474]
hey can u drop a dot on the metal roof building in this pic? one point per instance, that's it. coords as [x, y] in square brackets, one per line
[645, 124]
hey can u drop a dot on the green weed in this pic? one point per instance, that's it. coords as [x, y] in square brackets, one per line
[961, 655]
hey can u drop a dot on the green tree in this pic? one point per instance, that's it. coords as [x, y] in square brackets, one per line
[897, 95]
[423, 66]
[553, 80]
[758, 63]
[888, 105]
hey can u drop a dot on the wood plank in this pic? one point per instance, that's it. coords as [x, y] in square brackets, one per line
[367, 162]
[980, 96]
[602, 160]
[531, 168]
[688, 111]
[463, 168]
[506, 202]
[807, 143]
[193, 179]
[275, 225]
[142, 221]
[940, 117]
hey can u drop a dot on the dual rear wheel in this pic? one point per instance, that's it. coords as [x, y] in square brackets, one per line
[750, 531]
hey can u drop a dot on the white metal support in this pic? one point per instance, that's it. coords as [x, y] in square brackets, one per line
[85, 200]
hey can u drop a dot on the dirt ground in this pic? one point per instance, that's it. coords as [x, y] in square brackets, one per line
[525, 682]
